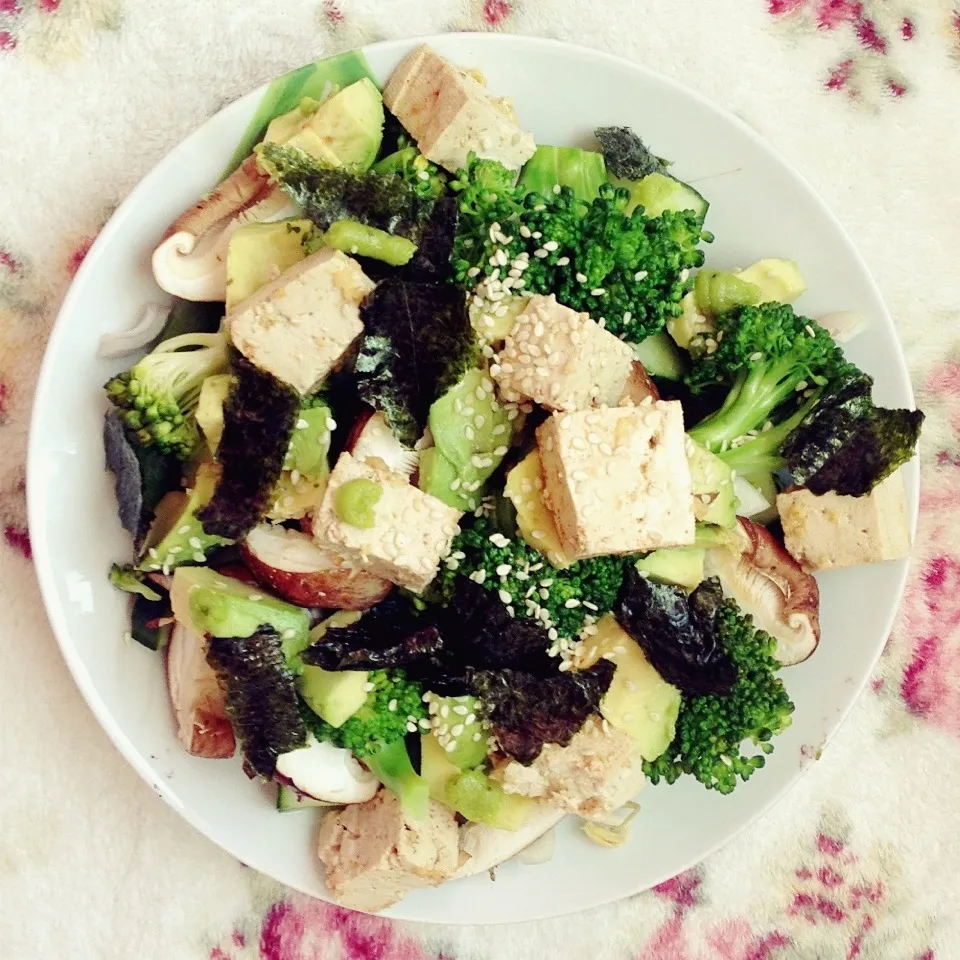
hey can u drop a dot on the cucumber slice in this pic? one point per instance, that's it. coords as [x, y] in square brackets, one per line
[290, 799]
[660, 357]
[145, 614]
[657, 192]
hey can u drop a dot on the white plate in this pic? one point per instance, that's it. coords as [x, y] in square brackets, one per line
[759, 207]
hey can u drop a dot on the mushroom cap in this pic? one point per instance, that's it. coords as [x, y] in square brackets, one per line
[769, 584]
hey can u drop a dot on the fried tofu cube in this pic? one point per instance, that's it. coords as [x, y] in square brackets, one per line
[411, 531]
[562, 360]
[831, 531]
[375, 853]
[595, 774]
[617, 479]
[451, 114]
[299, 326]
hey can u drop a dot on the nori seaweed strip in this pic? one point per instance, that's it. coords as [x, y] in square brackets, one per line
[258, 420]
[261, 696]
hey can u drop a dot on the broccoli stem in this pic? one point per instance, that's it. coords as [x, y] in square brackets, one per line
[756, 459]
[391, 765]
[755, 395]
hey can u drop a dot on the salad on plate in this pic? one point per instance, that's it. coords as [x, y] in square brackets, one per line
[464, 495]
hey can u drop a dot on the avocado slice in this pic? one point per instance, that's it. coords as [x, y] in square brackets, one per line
[714, 500]
[779, 281]
[282, 128]
[524, 488]
[258, 252]
[470, 793]
[494, 327]
[350, 125]
[470, 427]
[210, 603]
[680, 566]
[209, 414]
[639, 701]
[333, 695]
[176, 536]
[467, 752]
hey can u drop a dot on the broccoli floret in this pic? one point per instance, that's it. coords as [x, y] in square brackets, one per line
[157, 397]
[529, 583]
[394, 702]
[426, 179]
[630, 271]
[770, 357]
[711, 730]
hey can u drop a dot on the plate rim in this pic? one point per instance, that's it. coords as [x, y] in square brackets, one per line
[42, 558]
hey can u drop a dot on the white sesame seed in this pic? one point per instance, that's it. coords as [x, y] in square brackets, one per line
[581, 277]
[504, 596]
[640, 275]
[302, 424]
[755, 357]
[563, 262]
[198, 557]
[451, 746]
[597, 292]
[331, 424]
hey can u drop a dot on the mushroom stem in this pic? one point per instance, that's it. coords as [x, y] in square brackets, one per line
[190, 261]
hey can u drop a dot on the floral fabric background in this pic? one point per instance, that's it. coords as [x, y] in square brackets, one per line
[862, 859]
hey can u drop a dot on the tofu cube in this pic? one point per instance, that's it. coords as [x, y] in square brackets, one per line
[375, 853]
[450, 113]
[299, 326]
[562, 359]
[411, 531]
[617, 479]
[830, 531]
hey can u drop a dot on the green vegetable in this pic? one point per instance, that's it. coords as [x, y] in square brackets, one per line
[346, 129]
[712, 479]
[634, 269]
[310, 442]
[258, 252]
[176, 536]
[470, 427]
[594, 582]
[157, 397]
[758, 457]
[417, 342]
[131, 581]
[768, 356]
[846, 443]
[261, 697]
[375, 725]
[213, 397]
[358, 239]
[581, 170]
[384, 201]
[314, 80]
[711, 730]
[426, 179]
[211, 603]
[626, 155]
[657, 193]
[354, 502]
[289, 798]
[660, 357]
[151, 622]
[392, 767]
[717, 291]
[258, 421]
